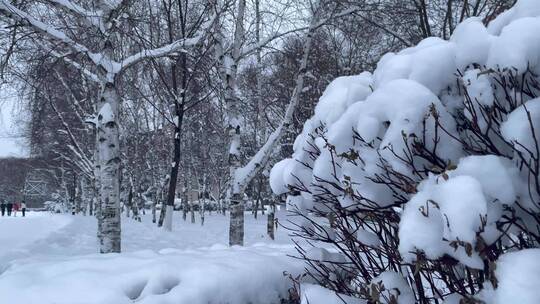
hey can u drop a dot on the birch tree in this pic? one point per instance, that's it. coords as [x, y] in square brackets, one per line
[240, 175]
[229, 59]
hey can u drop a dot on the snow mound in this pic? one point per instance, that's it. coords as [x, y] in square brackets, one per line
[18, 232]
[314, 294]
[213, 275]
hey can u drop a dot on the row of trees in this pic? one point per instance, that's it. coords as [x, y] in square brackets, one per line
[144, 100]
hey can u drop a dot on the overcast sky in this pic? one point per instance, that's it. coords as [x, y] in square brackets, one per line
[10, 144]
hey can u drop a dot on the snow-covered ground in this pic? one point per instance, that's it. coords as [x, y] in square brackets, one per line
[46, 258]
[18, 234]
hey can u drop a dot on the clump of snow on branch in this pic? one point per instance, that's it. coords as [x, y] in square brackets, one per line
[393, 288]
[519, 274]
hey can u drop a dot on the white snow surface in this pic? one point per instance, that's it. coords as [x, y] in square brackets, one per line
[314, 294]
[18, 233]
[48, 258]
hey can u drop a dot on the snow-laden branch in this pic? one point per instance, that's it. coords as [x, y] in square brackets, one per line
[111, 66]
[244, 175]
[78, 66]
[113, 5]
[93, 18]
[385, 28]
[343, 13]
[177, 46]
[246, 51]
[76, 104]
[69, 159]
[84, 162]
[14, 13]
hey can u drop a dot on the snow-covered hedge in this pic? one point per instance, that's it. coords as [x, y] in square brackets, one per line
[428, 170]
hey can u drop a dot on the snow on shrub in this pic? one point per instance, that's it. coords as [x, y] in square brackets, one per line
[518, 275]
[427, 170]
[314, 294]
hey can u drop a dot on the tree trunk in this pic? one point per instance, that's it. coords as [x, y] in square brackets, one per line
[154, 203]
[161, 200]
[203, 206]
[96, 185]
[129, 200]
[258, 200]
[271, 220]
[109, 159]
[136, 210]
[236, 230]
[232, 102]
[259, 99]
[171, 194]
[256, 208]
[202, 203]
[223, 207]
[185, 203]
[192, 213]
[87, 196]
[77, 194]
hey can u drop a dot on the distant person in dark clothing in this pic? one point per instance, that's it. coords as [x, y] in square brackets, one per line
[23, 208]
[3, 207]
[9, 207]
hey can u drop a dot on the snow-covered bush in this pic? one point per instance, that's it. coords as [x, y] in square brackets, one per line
[423, 177]
[55, 207]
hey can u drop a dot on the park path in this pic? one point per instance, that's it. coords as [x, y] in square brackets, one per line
[18, 234]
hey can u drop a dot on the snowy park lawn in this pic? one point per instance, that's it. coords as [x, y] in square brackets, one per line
[46, 258]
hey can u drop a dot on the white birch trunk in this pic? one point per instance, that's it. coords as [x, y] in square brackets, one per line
[230, 66]
[202, 203]
[271, 220]
[241, 177]
[185, 203]
[109, 161]
[192, 211]
[167, 222]
[85, 195]
[154, 206]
